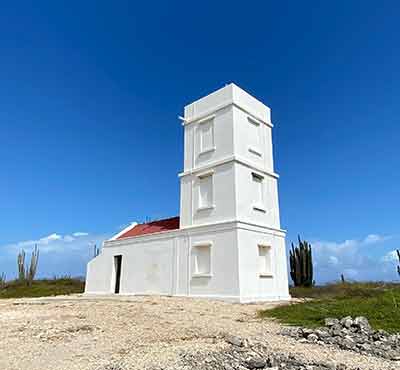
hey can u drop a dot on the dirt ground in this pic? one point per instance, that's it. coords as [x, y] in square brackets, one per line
[93, 333]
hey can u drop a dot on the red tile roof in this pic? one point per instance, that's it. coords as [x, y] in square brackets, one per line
[152, 227]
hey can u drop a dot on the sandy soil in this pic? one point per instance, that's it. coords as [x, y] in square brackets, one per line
[92, 333]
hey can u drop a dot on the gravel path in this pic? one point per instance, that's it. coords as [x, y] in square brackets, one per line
[92, 333]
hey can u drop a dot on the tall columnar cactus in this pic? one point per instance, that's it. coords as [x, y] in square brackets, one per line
[31, 272]
[21, 265]
[2, 279]
[398, 267]
[301, 265]
[27, 274]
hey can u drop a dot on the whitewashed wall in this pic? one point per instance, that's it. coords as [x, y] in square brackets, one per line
[224, 200]
[162, 264]
[244, 199]
[253, 285]
[245, 127]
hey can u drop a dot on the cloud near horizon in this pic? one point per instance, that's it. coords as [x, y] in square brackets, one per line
[373, 257]
[59, 254]
[369, 258]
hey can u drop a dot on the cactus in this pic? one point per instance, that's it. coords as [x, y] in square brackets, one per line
[301, 265]
[31, 272]
[27, 274]
[398, 255]
[21, 265]
[2, 279]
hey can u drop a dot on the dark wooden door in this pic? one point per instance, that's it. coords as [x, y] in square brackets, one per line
[118, 264]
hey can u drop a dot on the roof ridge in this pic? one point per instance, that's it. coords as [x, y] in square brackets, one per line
[161, 219]
[156, 226]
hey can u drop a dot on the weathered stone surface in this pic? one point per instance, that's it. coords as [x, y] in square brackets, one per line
[255, 356]
[236, 341]
[256, 363]
[331, 321]
[355, 335]
[362, 323]
[313, 338]
[347, 322]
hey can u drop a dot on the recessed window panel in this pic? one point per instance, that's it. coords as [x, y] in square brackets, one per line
[205, 191]
[254, 137]
[264, 259]
[201, 259]
[206, 136]
[258, 190]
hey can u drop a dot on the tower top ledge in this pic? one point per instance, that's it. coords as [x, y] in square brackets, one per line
[224, 97]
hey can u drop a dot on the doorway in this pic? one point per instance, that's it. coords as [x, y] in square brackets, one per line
[117, 266]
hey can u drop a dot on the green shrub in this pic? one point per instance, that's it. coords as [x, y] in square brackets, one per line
[42, 288]
[379, 302]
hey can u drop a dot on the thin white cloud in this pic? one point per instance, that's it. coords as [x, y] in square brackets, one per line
[50, 238]
[375, 238]
[390, 256]
[333, 260]
[49, 243]
[354, 258]
[59, 254]
[79, 233]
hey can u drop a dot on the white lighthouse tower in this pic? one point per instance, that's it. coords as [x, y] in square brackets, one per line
[229, 178]
[227, 242]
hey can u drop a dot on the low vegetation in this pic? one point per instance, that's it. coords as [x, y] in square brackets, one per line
[25, 284]
[42, 288]
[379, 302]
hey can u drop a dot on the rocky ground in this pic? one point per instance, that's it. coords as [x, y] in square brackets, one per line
[91, 333]
[351, 334]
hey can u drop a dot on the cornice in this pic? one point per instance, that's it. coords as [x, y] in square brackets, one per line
[226, 160]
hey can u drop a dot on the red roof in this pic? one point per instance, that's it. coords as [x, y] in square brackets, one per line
[152, 227]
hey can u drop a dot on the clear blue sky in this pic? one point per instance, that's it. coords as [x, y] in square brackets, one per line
[90, 93]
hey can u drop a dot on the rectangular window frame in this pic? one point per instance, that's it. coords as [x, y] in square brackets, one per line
[266, 272]
[259, 205]
[197, 274]
[210, 205]
[201, 124]
[256, 149]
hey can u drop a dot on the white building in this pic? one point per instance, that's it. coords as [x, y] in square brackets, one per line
[227, 243]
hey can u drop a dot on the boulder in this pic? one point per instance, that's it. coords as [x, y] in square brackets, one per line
[331, 322]
[347, 322]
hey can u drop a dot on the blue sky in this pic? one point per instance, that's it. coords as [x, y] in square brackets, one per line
[89, 98]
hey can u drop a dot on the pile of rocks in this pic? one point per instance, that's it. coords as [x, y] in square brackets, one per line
[244, 355]
[351, 334]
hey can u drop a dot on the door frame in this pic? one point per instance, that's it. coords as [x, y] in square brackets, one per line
[117, 265]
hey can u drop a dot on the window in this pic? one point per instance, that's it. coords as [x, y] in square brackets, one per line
[206, 136]
[258, 192]
[205, 191]
[264, 260]
[201, 259]
[254, 137]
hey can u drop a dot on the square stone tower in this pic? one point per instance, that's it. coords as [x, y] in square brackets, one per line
[229, 177]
